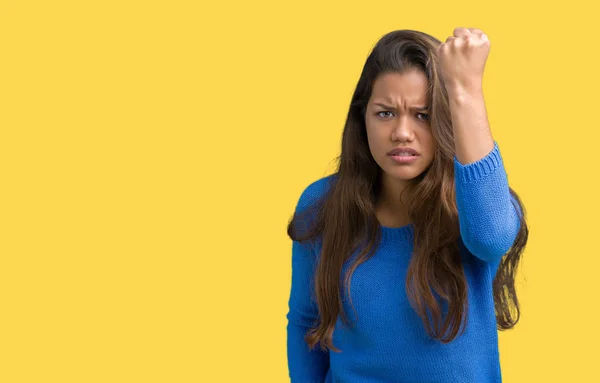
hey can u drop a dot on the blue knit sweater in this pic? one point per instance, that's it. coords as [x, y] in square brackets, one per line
[389, 342]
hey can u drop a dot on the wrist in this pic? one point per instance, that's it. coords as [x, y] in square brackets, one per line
[470, 86]
[464, 94]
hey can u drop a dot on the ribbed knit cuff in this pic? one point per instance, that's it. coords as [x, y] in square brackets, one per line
[478, 169]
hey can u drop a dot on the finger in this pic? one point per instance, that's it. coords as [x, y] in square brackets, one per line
[450, 38]
[476, 31]
[440, 49]
[458, 32]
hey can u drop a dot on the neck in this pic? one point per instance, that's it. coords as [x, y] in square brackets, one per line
[391, 207]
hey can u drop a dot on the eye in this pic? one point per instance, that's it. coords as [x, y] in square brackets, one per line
[385, 111]
[426, 118]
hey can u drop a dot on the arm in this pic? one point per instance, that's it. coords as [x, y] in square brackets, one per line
[488, 215]
[462, 60]
[305, 366]
[488, 220]
[472, 135]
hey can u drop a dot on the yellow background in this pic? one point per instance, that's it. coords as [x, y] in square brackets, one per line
[152, 153]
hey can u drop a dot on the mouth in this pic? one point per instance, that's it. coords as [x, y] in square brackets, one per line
[403, 151]
[404, 157]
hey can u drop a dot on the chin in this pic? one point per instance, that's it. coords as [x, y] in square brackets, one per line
[404, 174]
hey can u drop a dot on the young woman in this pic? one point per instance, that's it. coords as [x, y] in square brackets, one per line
[404, 259]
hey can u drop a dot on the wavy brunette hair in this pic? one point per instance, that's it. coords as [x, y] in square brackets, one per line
[344, 218]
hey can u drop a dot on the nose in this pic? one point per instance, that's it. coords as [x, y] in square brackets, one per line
[403, 130]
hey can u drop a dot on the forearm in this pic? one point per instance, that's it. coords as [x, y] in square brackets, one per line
[472, 135]
[488, 220]
[304, 365]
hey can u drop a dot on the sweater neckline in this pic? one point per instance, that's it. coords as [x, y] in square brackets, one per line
[405, 232]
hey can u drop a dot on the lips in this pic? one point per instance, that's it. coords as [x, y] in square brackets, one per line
[400, 151]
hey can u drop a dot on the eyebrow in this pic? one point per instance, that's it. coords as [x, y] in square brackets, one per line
[412, 108]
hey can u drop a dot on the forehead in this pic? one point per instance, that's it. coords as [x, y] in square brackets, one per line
[410, 86]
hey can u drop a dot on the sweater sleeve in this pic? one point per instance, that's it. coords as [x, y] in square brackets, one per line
[488, 214]
[305, 365]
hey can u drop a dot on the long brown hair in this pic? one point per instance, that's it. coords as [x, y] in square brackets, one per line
[344, 218]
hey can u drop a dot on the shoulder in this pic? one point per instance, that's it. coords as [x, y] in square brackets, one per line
[315, 191]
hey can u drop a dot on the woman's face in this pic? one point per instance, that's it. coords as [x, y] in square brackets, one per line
[397, 117]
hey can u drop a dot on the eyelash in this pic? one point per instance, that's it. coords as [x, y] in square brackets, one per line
[424, 114]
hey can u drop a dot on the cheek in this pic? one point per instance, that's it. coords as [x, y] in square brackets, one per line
[372, 136]
[428, 141]
[377, 142]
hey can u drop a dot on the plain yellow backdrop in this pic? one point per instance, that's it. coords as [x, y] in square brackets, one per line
[152, 153]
